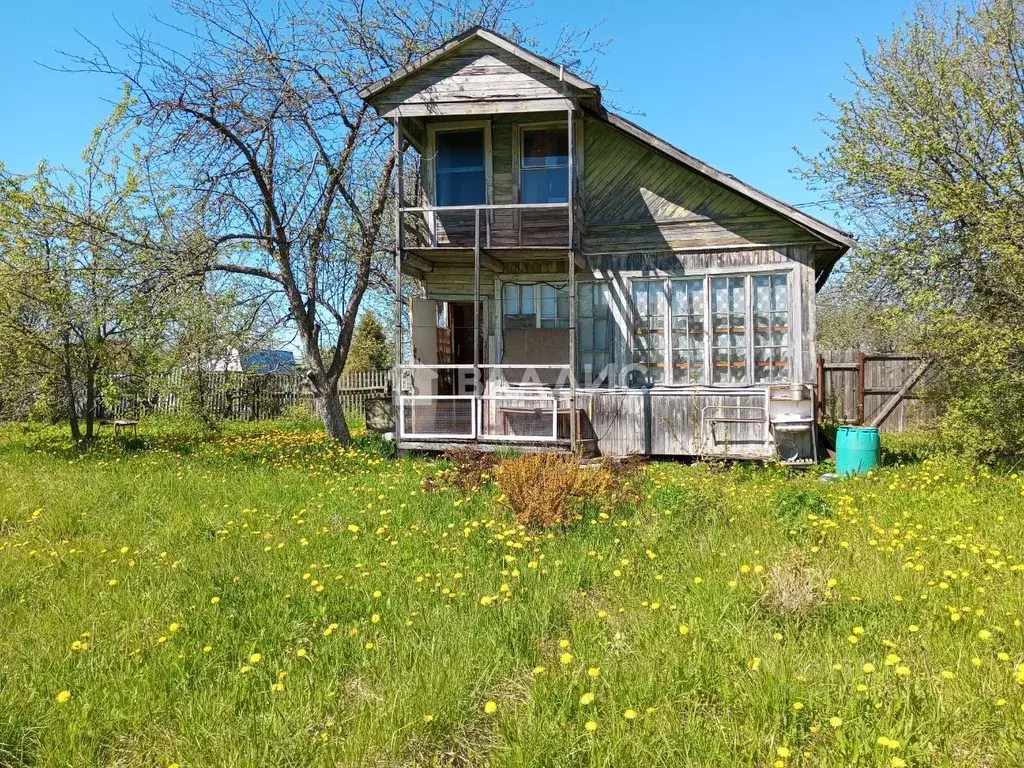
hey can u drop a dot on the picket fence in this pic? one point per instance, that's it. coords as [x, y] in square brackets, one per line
[245, 396]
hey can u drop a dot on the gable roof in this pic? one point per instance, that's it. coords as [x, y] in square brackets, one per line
[839, 239]
[367, 93]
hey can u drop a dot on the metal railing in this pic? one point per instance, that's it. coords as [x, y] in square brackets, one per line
[481, 406]
[526, 224]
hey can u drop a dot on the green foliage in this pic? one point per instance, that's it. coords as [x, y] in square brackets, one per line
[371, 348]
[927, 159]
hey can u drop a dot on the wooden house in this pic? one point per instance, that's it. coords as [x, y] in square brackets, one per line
[584, 284]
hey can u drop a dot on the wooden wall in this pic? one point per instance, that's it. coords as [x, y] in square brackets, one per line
[636, 199]
[477, 78]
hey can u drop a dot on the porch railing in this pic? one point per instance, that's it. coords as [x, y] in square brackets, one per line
[507, 225]
[481, 403]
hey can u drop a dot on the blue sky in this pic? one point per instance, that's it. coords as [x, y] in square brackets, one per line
[736, 83]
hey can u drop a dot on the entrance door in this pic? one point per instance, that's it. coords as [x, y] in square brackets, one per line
[462, 342]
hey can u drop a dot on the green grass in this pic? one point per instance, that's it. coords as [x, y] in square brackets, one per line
[412, 611]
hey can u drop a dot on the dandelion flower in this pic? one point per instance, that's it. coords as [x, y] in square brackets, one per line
[214, 599]
[897, 762]
[490, 707]
[593, 672]
[683, 629]
[798, 705]
[782, 752]
[254, 658]
[835, 722]
[586, 698]
[984, 634]
[565, 658]
[174, 627]
[64, 697]
[629, 714]
[428, 718]
[591, 726]
[868, 668]
[538, 670]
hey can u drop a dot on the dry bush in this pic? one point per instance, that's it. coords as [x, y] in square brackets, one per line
[793, 589]
[470, 469]
[541, 488]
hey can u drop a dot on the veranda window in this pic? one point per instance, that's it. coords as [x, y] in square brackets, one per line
[687, 304]
[544, 165]
[728, 330]
[554, 306]
[740, 322]
[771, 329]
[518, 306]
[648, 332]
[593, 335]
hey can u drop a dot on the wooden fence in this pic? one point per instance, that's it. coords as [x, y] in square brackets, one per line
[246, 396]
[875, 389]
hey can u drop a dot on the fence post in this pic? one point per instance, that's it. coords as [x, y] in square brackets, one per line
[860, 387]
[820, 405]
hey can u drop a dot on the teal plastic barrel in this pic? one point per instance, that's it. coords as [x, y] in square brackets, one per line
[857, 450]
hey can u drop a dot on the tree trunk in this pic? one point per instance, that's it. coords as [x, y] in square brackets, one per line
[328, 405]
[90, 401]
[69, 383]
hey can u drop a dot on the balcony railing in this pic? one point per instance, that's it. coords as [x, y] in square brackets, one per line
[511, 225]
[466, 402]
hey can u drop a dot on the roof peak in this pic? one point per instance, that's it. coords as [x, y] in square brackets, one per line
[495, 38]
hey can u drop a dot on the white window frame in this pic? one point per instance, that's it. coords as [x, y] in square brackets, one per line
[521, 130]
[664, 296]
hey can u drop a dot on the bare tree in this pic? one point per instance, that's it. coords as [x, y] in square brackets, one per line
[254, 114]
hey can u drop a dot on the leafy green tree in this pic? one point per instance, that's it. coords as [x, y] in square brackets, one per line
[927, 161]
[372, 349]
[81, 307]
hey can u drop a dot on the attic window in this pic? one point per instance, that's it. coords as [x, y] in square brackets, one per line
[544, 166]
[460, 177]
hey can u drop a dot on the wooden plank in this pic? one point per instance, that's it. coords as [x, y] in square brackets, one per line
[895, 399]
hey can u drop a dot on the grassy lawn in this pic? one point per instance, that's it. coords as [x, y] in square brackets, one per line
[265, 598]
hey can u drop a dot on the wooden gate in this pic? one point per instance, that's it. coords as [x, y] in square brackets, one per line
[873, 389]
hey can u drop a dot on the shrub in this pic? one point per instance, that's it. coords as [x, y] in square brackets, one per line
[469, 470]
[541, 488]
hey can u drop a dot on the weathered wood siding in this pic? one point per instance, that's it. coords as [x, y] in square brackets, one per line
[479, 78]
[638, 200]
[673, 423]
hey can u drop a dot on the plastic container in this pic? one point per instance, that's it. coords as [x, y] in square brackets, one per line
[857, 450]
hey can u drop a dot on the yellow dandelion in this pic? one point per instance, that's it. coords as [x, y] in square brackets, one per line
[64, 697]
[835, 722]
[254, 658]
[586, 698]
[594, 672]
[591, 726]
[565, 658]
[629, 714]
[490, 707]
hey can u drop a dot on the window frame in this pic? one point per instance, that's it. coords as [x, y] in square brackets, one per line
[669, 376]
[430, 181]
[605, 287]
[521, 130]
[537, 286]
